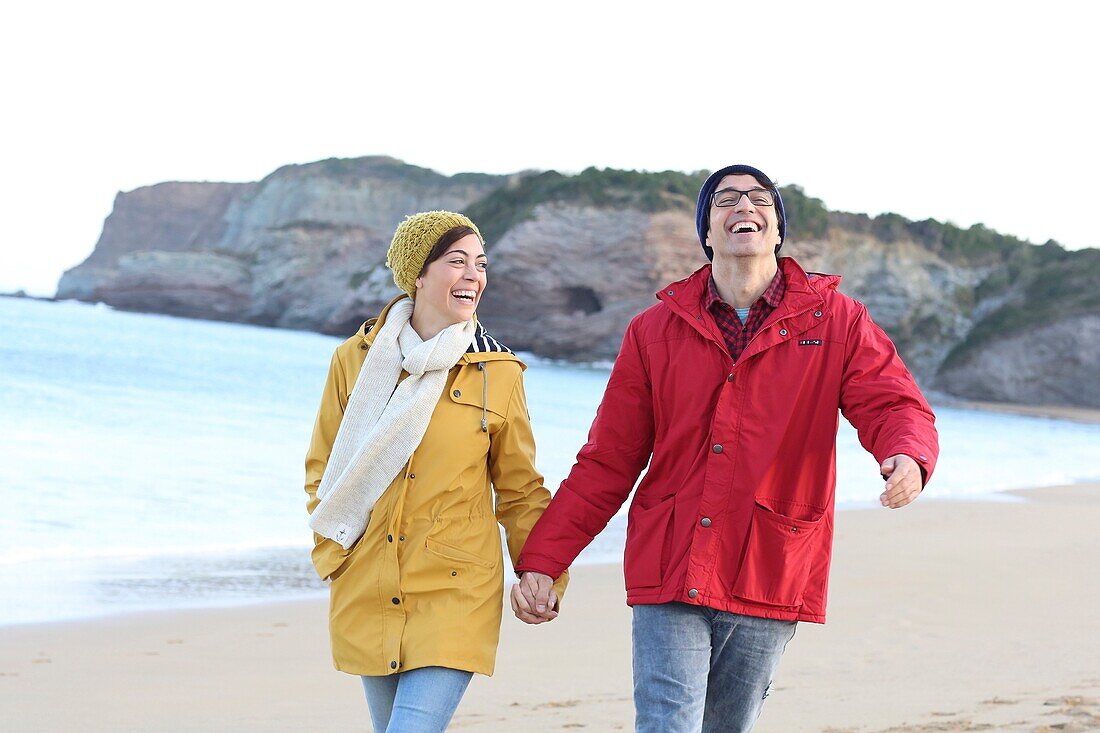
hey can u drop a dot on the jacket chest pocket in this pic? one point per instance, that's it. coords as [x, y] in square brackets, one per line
[476, 403]
[779, 552]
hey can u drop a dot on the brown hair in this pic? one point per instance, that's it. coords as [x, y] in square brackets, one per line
[448, 238]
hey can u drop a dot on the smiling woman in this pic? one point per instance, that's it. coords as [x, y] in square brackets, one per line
[451, 282]
[422, 445]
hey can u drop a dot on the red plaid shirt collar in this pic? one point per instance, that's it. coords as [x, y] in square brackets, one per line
[736, 334]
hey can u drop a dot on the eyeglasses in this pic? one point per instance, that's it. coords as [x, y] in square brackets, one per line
[731, 197]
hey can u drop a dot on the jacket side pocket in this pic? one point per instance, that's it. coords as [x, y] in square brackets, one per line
[646, 535]
[452, 553]
[776, 562]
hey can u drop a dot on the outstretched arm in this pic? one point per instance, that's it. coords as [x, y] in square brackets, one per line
[883, 402]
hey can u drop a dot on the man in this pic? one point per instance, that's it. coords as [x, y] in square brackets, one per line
[729, 388]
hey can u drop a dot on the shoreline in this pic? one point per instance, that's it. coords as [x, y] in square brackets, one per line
[1087, 415]
[209, 582]
[987, 627]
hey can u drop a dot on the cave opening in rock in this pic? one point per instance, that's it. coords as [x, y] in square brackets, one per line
[583, 300]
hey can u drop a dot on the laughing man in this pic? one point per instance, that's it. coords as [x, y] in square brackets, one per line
[729, 389]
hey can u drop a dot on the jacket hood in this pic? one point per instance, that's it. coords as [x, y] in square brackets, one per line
[484, 347]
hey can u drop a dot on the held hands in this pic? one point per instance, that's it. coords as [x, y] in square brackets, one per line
[533, 598]
[903, 481]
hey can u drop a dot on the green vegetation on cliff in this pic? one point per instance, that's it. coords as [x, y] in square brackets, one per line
[807, 217]
[975, 246]
[626, 189]
[1041, 285]
[600, 188]
[384, 168]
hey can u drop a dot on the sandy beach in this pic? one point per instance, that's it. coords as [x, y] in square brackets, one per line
[944, 616]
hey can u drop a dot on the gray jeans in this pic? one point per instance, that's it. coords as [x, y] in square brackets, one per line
[698, 669]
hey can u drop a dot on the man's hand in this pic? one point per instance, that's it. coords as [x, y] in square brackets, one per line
[903, 481]
[533, 598]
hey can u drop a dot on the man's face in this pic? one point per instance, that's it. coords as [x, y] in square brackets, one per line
[745, 229]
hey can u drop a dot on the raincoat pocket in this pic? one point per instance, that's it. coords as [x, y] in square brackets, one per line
[454, 554]
[777, 558]
[646, 534]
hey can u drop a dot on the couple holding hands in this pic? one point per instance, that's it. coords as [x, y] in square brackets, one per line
[728, 388]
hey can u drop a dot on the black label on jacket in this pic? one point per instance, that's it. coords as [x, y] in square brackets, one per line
[810, 342]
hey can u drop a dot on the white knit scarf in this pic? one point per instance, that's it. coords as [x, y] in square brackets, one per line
[384, 421]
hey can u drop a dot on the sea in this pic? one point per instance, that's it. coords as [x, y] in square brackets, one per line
[150, 462]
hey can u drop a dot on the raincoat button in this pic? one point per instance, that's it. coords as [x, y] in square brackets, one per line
[669, 292]
[402, 538]
[693, 593]
[782, 332]
[412, 476]
[705, 521]
[389, 538]
[454, 573]
[457, 393]
[794, 530]
[717, 448]
[817, 314]
[393, 665]
[730, 377]
[395, 601]
[362, 347]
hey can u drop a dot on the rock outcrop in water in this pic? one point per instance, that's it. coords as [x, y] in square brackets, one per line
[975, 314]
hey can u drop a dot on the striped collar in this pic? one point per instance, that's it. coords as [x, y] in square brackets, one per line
[484, 343]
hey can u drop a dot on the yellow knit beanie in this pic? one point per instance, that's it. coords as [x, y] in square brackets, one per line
[413, 242]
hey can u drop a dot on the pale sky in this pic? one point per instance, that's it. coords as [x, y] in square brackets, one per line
[965, 112]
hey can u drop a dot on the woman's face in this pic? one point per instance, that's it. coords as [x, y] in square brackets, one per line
[449, 289]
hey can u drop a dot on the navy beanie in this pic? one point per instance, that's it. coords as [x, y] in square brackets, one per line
[702, 206]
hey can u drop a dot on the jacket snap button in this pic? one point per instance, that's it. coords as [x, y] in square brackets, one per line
[402, 538]
[794, 530]
[693, 593]
[705, 521]
[817, 314]
[717, 448]
[782, 332]
[729, 378]
[669, 292]
[393, 665]
[362, 347]
[457, 393]
[453, 573]
[412, 476]
[395, 601]
[389, 538]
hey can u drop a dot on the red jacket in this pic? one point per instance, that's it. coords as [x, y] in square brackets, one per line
[736, 509]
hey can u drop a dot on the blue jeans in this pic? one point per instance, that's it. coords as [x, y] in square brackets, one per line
[698, 669]
[418, 701]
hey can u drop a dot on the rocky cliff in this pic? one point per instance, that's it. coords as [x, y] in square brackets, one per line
[974, 313]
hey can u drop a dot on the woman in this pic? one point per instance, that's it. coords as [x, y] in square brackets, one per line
[422, 413]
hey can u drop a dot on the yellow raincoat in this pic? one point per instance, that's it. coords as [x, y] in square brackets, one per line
[424, 584]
